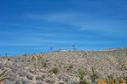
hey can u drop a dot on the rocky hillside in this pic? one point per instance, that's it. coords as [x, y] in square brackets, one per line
[65, 67]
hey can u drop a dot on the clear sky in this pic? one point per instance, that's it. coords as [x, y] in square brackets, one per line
[30, 26]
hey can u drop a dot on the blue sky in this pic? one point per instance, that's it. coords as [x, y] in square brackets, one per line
[31, 26]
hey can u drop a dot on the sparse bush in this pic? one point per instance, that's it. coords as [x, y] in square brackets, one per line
[69, 67]
[113, 79]
[35, 64]
[3, 75]
[54, 70]
[81, 77]
[84, 81]
[44, 64]
[94, 75]
[81, 74]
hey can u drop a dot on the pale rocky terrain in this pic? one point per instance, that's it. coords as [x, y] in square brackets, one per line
[66, 67]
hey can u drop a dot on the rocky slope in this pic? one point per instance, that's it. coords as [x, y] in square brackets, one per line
[66, 67]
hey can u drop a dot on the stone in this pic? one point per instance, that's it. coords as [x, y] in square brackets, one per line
[29, 77]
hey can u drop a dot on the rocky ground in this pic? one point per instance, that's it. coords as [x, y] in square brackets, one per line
[77, 67]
